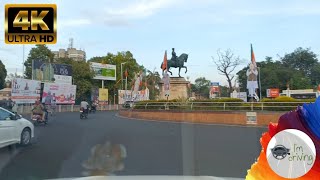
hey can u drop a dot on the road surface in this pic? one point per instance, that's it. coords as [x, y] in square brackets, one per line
[152, 148]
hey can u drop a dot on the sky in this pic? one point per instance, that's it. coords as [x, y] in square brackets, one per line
[197, 27]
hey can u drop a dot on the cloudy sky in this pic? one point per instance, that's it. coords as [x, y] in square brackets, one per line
[198, 27]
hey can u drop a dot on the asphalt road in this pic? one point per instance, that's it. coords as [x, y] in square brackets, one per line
[152, 148]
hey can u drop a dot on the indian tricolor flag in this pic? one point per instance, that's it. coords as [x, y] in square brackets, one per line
[253, 58]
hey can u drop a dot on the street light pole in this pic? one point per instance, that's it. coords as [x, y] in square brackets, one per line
[260, 82]
[122, 76]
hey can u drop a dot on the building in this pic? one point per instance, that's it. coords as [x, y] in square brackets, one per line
[5, 94]
[73, 53]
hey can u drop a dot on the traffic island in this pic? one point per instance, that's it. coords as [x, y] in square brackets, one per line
[206, 117]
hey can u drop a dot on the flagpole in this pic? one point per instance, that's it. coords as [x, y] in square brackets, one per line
[32, 70]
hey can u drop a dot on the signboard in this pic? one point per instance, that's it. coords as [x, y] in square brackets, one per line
[104, 71]
[273, 93]
[63, 79]
[62, 93]
[58, 73]
[251, 117]
[214, 84]
[124, 96]
[103, 94]
[239, 95]
[25, 91]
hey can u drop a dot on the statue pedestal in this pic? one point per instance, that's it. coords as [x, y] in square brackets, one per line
[178, 88]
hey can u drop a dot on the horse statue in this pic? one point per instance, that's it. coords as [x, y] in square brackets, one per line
[179, 63]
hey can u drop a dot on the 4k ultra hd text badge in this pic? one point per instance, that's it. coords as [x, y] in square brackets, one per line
[30, 23]
[291, 153]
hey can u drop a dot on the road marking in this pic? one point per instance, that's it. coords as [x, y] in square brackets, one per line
[183, 122]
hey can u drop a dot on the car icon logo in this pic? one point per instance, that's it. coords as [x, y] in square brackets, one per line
[280, 152]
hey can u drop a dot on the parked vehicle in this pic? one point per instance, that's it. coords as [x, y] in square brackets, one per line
[14, 129]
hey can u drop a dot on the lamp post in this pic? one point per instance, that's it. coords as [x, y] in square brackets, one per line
[122, 75]
[260, 82]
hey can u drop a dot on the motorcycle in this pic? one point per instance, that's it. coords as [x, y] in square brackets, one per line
[36, 118]
[93, 109]
[83, 114]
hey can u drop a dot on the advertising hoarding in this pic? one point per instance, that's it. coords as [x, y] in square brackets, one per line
[214, 90]
[273, 93]
[124, 96]
[104, 71]
[25, 91]
[62, 93]
[103, 94]
[239, 95]
[58, 73]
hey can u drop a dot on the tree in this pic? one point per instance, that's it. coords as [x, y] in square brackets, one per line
[40, 52]
[82, 76]
[12, 76]
[224, 91]
[302, 60]
[226, 64]
[153, 79]
[3, 75]
[201, 87]
[276, 74]
[130, 64]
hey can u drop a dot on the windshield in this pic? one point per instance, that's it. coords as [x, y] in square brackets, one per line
[159, 88]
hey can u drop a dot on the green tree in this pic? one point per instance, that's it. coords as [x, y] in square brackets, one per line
[129, 63]
[201, 87]
[40, 52]
[82, 76]
[153, 79]
[276, 74]
[224, 91]
[3, 75]
[302, 60]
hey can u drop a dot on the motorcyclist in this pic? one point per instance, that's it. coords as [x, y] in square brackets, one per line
[38, 109]
[84, 105]
[94, 105]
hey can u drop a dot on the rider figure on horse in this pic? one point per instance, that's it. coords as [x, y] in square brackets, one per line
[174, 58]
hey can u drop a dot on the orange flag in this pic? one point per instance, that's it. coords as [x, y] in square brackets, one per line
[165, 61]
[253, 58]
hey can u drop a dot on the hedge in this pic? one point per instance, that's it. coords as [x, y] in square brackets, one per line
[217, 104]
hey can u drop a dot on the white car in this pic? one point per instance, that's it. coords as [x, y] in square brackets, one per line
[14, 129]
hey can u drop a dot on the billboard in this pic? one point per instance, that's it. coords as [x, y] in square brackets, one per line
[214, 90]
[273, 93]
[25, 91]
[104, 71]
[103, 94]
[62, 93]
[239, 95]
[58, 73]
[124, 96]
[214, 83]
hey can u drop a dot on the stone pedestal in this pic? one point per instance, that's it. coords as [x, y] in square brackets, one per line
[178, 88]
